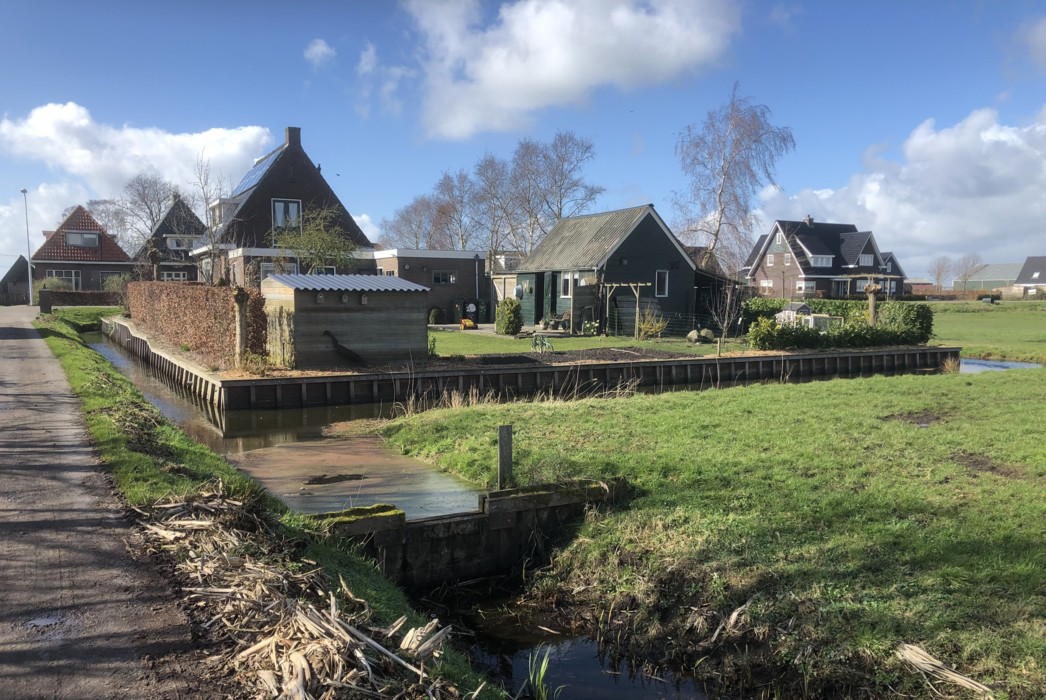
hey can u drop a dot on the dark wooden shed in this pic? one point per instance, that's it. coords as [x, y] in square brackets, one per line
[318, 321]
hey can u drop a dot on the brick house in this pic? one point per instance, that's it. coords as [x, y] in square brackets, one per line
[80, 252]
[451, 276]
[803, 259]
[174, 237]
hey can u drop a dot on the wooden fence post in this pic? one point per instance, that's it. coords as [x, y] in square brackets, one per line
[504, 456]
[240, 297]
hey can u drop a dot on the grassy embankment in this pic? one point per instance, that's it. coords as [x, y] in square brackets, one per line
[1009, 330]
[450, 343]
[149, 458]
[850, 516]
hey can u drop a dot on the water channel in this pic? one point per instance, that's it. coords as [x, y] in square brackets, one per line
[285, 449]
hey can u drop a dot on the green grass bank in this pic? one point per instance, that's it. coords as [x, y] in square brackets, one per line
[1009, 330]
[149, 458]
[786, 539]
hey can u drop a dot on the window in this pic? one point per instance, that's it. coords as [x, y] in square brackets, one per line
[769, 259]
[70, 276]
[444, 277]
[661, 283]
[390, 273]
[323, 270]
[779, 239]
[787, 259]
[865, 260]
[174, 276]
[861, 284]
[268, 268]
[821, 261]
[1035, 275]
[889, 266]
[286, 213]
[804, 286]
[564, 285]
[766, 284]
[81, 239]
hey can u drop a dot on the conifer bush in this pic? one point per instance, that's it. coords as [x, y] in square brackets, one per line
[509, 319]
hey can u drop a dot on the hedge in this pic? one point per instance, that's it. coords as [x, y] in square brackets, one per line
[509, 317]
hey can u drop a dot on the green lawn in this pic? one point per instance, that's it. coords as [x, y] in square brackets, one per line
[852, 516]
[449, 343]
[1010, 330]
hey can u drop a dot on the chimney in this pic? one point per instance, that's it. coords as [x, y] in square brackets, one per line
[174, 198]
[809, 220]
[294, 136]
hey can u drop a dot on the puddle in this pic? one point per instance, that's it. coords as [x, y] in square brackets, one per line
[47, 621]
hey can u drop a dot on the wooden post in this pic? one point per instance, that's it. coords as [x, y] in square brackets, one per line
[240, 297]
[504, 456]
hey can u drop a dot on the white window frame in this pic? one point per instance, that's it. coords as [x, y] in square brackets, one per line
[779, 238]
[82, 239]
[861, 284]
[661, 283]
[324, 270]
[72, 275]
[390, 273]
[565, 287]
[889, 267]
[865, 259]
[820, 260]
[174, 276]
[769, 259]
[279, 222]
[787, 260]
[1035, 275]
[452, 277]
[766, 284]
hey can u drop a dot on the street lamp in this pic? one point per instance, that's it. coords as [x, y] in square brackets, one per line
[28, 249]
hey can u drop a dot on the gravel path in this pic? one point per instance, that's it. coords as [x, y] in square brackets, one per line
[79, 617]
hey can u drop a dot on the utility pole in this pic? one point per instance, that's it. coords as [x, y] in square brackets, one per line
[28, 249]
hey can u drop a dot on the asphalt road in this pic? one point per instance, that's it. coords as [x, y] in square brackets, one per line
[79, 616]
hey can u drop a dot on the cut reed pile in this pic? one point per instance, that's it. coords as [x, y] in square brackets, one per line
[287, 631]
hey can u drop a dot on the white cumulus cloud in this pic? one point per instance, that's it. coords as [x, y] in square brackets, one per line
[975, 186]
[319, 53]
[91, 160]
[544, 53]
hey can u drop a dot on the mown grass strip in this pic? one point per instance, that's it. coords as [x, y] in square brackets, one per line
[851, 516]
[149, 458]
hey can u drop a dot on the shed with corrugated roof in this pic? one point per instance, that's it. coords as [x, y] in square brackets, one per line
[326, 321]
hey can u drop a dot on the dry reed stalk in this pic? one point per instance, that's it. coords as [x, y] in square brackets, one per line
[288, 634]
[927, 665]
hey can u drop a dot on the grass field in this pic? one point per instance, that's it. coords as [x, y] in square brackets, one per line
[449, 343]
[848, 517]
[1010, 330]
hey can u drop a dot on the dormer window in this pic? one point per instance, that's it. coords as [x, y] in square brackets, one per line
[865, 260]
[81, 239]
[820, 260]
[286, 213]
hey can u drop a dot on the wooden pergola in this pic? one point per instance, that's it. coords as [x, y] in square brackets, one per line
[636, 287]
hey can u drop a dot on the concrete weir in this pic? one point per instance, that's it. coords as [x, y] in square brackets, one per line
[510, 528]
[389, 387]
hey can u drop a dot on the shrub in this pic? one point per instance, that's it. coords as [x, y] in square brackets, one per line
[437, 316]
[651, 324]
[760, 307]
[509, 317]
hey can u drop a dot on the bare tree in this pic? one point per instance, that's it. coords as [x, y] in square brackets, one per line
[966, 267]
[566, 192]
[412, 226]
[145, 202]
[110, 215]
[455, 197]
[728, 159]
[493, 202]
[940, 268]
[210, 189]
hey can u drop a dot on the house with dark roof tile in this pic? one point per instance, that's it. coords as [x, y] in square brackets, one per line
[169, 245]
[80, 252]
[1032, 278]
[803, 259]
[274, 196]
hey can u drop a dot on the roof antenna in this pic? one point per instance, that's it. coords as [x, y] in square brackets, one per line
[809, 220]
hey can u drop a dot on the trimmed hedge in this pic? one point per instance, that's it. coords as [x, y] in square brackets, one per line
[509, 317]
[199, 317]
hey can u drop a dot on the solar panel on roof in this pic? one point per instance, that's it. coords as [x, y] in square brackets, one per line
[254, 175]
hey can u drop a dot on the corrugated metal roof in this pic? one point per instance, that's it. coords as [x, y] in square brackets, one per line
[997, 272]
[583, 242]
[347, 283]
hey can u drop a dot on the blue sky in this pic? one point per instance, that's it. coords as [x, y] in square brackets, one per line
[923, 122]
